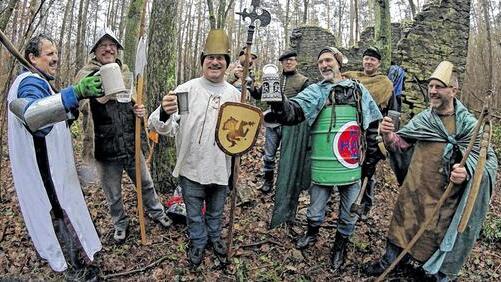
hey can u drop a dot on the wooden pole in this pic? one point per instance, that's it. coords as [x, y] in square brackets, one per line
[137, 135]
[137, 160]
[235, 172]
[236, 159]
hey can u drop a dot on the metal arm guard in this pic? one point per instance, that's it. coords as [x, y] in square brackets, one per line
[41, 113]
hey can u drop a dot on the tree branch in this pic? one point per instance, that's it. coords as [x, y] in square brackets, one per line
[142, 269]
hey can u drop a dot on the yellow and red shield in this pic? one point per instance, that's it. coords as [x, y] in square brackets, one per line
[237, 127]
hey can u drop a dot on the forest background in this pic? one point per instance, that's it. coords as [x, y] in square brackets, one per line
[177, 29]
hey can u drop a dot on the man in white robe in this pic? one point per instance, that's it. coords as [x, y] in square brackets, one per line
[43, 166]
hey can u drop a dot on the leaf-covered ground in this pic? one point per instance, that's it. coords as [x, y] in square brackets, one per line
[260, 254]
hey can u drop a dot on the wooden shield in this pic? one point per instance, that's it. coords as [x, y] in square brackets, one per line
[237, 127]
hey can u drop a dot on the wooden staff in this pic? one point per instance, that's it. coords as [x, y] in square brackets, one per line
[479, 170]
[236, 159]
[137, 149]
[441, 201]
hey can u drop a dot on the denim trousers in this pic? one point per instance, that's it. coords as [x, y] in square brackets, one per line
[319, 196]
[272, 137]
[200, 227]
[110, 174]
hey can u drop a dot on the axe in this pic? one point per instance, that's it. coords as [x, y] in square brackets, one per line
[357, 207]
[264, 18]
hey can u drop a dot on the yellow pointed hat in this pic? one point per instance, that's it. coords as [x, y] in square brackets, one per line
[217, 42]
[443, 73]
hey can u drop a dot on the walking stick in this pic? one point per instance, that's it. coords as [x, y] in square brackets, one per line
[264, 17]
[139, 70]
[441, 201]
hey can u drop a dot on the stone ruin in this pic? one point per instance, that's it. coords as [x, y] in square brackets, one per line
[439, 32]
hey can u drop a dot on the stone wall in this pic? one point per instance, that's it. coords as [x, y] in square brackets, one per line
[307, 41]
[439, 32]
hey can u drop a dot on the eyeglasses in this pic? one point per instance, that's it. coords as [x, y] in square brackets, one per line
[103, 46]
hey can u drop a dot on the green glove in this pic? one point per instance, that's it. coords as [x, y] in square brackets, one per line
[88, 87]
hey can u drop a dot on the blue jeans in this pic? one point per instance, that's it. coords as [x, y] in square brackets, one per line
[271, 143]
[110, 174]
[319, 196]
[200, 227]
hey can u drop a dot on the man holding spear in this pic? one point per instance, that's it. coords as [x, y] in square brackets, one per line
[426, 155]
[110, 128]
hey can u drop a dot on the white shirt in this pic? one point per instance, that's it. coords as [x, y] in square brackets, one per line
[198, 155]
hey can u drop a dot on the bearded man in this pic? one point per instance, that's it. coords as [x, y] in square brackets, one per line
[332, 104]
[426, 154]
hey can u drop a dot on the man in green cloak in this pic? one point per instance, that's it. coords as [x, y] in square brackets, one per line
[425, 155]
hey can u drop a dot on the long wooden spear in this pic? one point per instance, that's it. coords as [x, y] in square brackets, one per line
[139, 74]
[264, 17]
[440, 202]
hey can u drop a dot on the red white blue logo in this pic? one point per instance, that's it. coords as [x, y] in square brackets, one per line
[346, 145]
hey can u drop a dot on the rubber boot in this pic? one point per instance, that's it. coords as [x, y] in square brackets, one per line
[309, 238]
[268, 182]
[338, 251]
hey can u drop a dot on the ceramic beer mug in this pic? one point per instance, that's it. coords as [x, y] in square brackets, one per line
[111, 77]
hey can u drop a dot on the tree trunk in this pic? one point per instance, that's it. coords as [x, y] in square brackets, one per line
[161, 79]
[305, 12]
[194, 64]
[352, 21]
[5, 16]
[357, 24]
[286, 23]
[413, 8]
[69, 4]
[382, 31]
[132, 32]
[80, 36]
[212, 17]
[121, 27]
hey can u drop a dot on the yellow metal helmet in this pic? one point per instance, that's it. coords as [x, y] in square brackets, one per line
[217, 43]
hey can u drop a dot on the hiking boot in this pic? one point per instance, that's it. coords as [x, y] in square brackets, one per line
[220, 250]
[119, 235]
[91, 274]
[164, 220]
[338, 251]
[309, 238]
[373, 269]
[195, 256]
[268, 182]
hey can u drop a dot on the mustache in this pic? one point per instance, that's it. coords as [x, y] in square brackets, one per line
[215, 67]
[326, 69]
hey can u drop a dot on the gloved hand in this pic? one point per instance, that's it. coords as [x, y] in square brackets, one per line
[88, 87]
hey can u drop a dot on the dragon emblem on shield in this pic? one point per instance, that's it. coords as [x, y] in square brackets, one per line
[236, 130]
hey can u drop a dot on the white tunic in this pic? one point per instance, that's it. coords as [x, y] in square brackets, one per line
[33, 199]
[198, 156]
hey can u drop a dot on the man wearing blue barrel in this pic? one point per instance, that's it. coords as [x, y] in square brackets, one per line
[339, 111]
